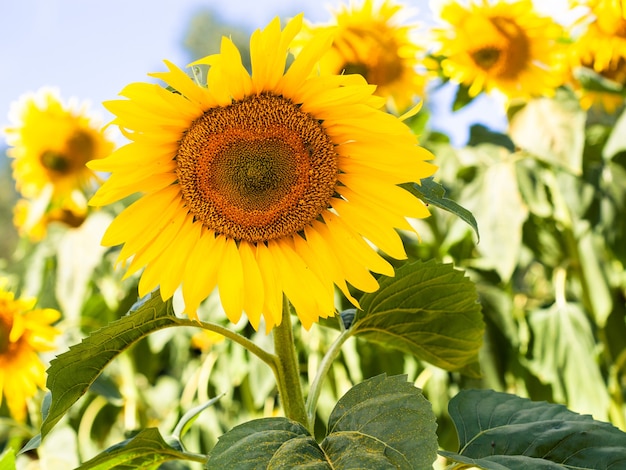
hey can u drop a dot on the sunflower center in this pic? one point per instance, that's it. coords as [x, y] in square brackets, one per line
[372, 54]
[258, 169]
[507, 51]
[55, 161]
[79, 150]
[5, 329]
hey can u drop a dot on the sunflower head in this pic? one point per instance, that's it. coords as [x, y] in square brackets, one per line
[262, 184]
[601, 47]
[374, 40]
[502, 46]
[50, 142]
[24, 332]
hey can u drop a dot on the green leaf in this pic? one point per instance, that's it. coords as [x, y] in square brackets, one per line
[429, 310]
[252, 445]
[71, 373]
[7, 460]
[383, 422]
[433, 193]
[461, 98]
[552, 129]
[563, 355]
[380, 423]
[188, 418]
[501, 431]
[494, 198]
[146, 450]
[617, 140]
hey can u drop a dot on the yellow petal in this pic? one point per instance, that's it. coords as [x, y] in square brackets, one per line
[381, 235]
[253, 284]
[200, 277]
[230, 281]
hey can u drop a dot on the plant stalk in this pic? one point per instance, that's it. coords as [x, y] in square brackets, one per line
[287, 370]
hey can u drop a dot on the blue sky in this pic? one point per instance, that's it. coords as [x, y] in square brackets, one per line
[91, 49]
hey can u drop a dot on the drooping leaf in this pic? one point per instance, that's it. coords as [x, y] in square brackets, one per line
[433, 193]
[552, 129]
[384, 422]
[429, 310]
[501, 431]
[564, 357]
[71, 373]
[147, 450]
[494, 198]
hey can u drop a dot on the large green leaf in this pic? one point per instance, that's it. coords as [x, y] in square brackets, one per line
[429, 310]
[494, 198]
[552, 129]
[146, 450]
[384, 422]
[563, 355]
[383, 419]
[254, 444]
[71, 373]
[500, 431]
[433, 193]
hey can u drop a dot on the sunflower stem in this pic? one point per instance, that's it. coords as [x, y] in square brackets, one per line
[287, 371]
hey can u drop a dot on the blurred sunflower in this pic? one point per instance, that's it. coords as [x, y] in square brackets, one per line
[50, 144]
[602, 48]
[24, 332]
[261, 184]
[503, 46]
[374, 40]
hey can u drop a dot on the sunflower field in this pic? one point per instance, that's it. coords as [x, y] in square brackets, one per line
[276, 257]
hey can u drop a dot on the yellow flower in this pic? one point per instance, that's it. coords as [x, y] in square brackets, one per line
[50, 144]
[602, 48]
[24, 332]
[32, 218]
[503, 46]
[261, 184]
[371, 40]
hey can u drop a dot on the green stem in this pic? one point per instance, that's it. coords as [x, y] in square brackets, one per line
[322, 372]
[266, 357]
[287, 371]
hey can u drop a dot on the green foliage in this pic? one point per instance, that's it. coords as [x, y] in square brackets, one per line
[500, 431]
[384, 422]
[7, 460]
[433, 193]
[71, 373]
[429, 310]
[146, 450]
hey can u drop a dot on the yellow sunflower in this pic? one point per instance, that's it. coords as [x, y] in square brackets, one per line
[372, 39]
[24, 332]
[503, 46]
[602, 48]
[50, 142]
[261, 184]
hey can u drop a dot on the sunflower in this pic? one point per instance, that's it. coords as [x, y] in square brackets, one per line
[24, 332]
[50, 144]
[261, 184]
[374, 41]
[503, 46]
[32, 217]
[602, 48]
